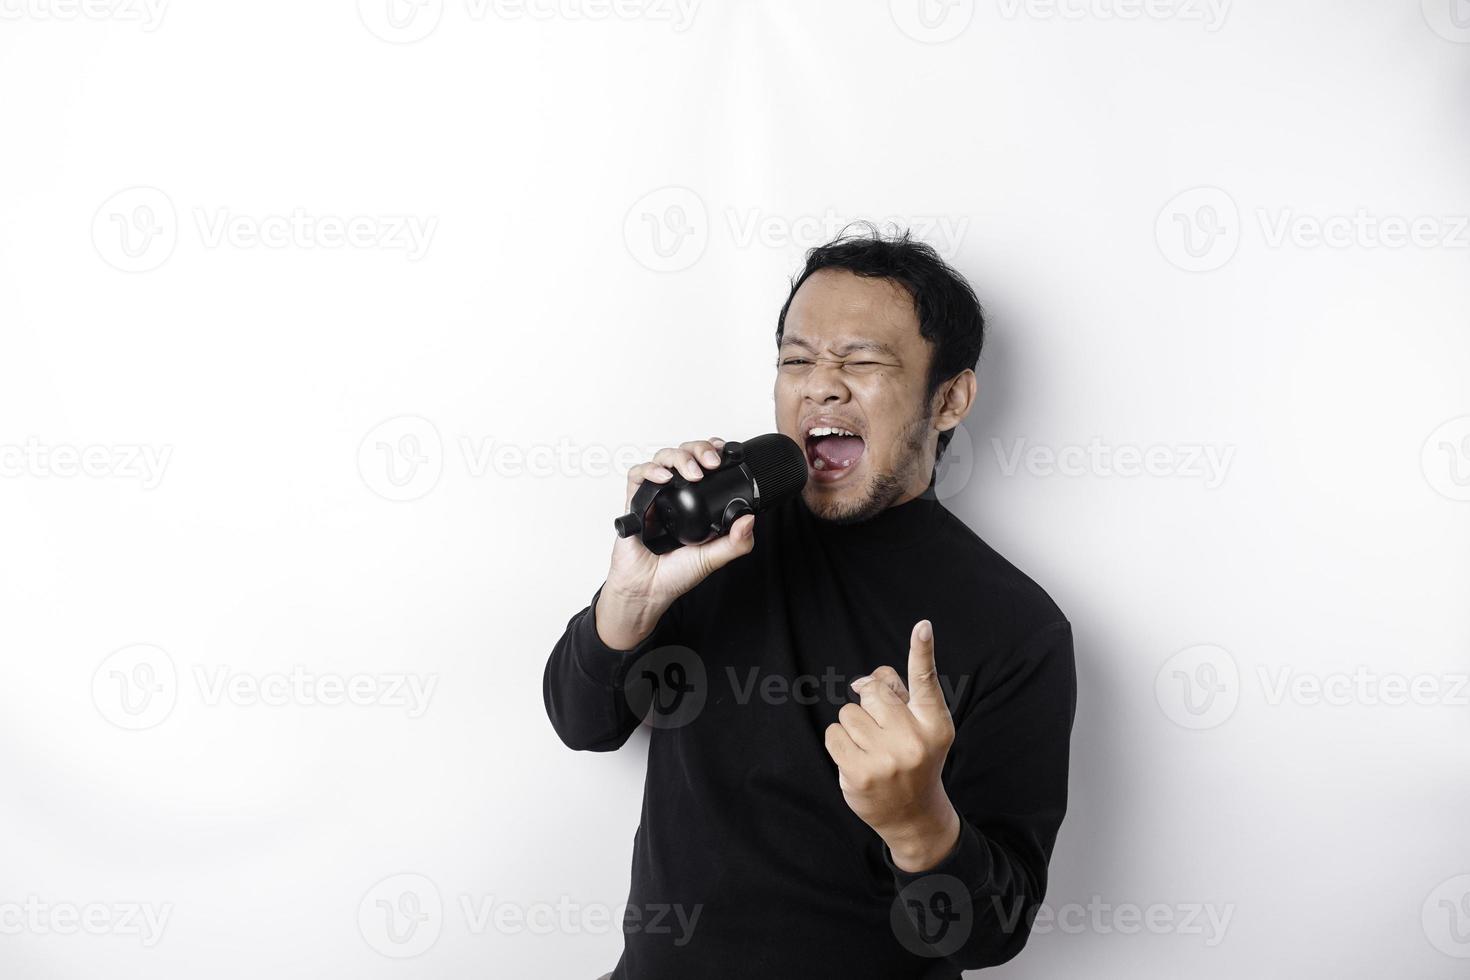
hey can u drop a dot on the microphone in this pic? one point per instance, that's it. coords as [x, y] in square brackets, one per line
[752, 476]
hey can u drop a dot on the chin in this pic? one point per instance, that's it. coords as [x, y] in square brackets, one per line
[853, 502]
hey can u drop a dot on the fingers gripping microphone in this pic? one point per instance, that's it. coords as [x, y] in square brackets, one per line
[752, 476]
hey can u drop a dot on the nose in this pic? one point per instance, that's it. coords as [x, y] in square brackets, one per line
[824, 384]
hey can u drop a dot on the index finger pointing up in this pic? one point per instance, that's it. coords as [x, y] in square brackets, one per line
[926, 697]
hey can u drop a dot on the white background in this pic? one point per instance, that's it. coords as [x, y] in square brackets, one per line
[389, 456]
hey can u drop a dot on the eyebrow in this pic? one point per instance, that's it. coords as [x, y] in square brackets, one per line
[857, 345]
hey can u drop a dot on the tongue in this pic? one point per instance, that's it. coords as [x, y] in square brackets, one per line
[838, 451]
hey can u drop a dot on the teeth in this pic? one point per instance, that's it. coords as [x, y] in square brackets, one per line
[824, 430]
[819, 463]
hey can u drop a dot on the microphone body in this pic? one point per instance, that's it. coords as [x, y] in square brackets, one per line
[752, 476]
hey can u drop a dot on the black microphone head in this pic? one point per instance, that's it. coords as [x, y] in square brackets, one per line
[778, 466]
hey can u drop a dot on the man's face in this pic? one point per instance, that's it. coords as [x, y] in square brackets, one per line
[852, 359]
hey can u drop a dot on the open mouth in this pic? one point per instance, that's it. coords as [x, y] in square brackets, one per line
[832, 452]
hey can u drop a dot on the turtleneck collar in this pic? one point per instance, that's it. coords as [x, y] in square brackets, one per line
[912, 522]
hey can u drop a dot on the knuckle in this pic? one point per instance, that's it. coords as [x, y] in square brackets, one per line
[848, 713]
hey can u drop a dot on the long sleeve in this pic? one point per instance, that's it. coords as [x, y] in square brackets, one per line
[1007, 777]
[583, 684]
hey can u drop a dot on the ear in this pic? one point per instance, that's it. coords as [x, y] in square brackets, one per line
[953, 400]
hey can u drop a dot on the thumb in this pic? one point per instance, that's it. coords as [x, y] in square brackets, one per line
[926, 697]
[721, 551]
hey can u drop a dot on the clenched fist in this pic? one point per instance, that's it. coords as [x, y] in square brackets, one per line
[890, 751]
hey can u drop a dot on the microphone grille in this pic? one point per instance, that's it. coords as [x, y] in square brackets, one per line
[778, 465]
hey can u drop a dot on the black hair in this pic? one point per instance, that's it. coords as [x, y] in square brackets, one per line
[950, 315]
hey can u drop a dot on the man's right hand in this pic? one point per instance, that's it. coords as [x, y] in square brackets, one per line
[640, 585]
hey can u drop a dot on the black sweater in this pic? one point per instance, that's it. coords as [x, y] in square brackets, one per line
[747, 861]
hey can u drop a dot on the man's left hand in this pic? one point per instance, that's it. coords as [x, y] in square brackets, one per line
[890, 751]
